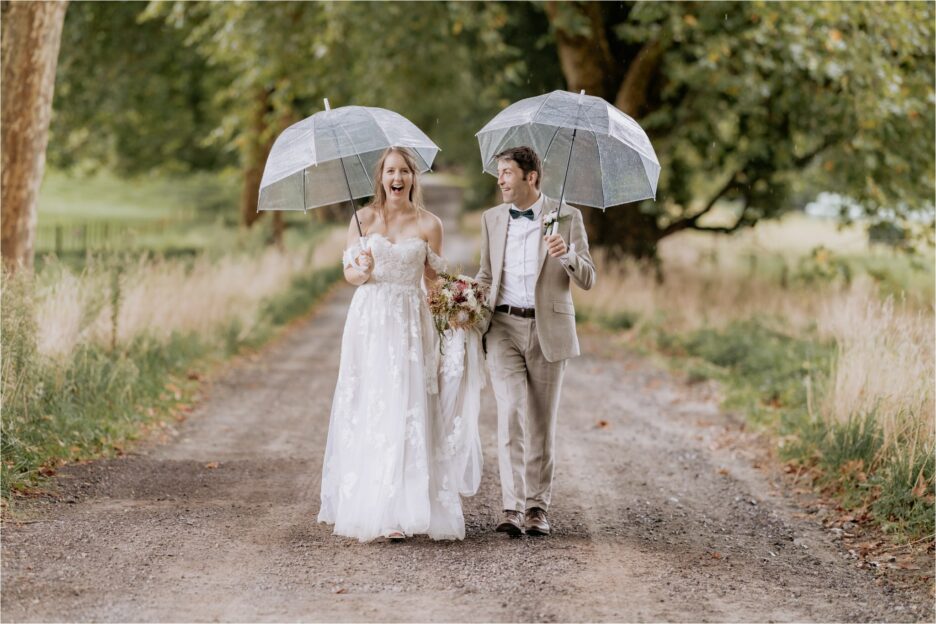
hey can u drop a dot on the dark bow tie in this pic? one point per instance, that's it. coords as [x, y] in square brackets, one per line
[516, 214]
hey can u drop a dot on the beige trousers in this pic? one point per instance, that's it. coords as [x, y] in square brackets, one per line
[526, 388]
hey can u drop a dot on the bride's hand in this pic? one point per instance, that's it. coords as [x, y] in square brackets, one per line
[365, 261]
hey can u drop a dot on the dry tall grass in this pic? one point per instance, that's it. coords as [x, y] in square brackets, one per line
[884, 365]
[702, 291]
[159, 297]
[885, 345]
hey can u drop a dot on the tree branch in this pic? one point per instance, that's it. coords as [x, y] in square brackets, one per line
[691, 222]
[805, 159]
[632, 95]
[741, 222]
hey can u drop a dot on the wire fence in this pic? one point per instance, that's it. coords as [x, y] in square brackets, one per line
[61, 238]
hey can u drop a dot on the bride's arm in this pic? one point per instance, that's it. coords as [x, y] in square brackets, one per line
[365, 259]
[432, 231]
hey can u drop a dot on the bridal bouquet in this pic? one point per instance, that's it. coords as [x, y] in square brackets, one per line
[457, 302]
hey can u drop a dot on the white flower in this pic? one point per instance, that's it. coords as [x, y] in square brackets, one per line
[549, 220]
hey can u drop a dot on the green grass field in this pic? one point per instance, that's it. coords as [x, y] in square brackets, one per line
[65, 198]
[170, 216]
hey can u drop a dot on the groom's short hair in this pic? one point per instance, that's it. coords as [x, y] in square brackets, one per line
[526, 159]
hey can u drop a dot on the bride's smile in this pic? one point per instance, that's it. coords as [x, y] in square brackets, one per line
[397, 180]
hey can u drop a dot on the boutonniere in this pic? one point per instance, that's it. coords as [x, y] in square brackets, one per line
[552, 219]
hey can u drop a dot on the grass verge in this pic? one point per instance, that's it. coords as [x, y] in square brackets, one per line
[780, 382]
[123, 372]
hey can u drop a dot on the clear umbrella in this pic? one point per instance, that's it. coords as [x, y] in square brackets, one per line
[592, 153]
[329, 157]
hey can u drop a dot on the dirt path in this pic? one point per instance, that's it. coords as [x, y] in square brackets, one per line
[657, 516]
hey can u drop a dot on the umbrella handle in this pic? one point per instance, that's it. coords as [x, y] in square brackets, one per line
[555, 225]
[351, 198]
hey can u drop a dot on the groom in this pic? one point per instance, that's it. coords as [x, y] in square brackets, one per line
[531, 334]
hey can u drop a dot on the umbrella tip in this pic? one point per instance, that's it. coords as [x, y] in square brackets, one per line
[328, 106]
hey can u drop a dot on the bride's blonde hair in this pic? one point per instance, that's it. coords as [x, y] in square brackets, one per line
[380, 195]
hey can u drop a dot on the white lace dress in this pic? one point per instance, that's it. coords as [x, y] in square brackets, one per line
[394, 461]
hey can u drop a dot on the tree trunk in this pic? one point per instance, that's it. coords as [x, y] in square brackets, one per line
[279, 226]
[623, 230]
[255, 150]
[31, 35]
[587, 63]
[632, 95]
[585, 60]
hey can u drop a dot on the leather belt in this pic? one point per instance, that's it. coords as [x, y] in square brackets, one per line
[515, 311]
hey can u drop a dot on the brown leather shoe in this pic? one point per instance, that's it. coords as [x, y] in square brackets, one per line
[512, 523]
[536, 523]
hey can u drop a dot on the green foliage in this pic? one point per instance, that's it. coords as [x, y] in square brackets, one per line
[753, 90]
[905, 504]
[762, 104]
[130, 95]
[215, 68]
[302, 293]
[850, 461]
[765, 103]
[770, 369]
[821, 265]
[622, 320]
[90, 405]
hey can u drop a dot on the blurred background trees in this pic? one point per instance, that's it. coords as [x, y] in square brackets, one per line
[742, 99]
[754, 108]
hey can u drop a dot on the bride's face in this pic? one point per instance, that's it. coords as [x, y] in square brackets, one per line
[397, 178]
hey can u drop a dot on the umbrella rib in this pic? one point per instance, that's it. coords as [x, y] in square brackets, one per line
[630, 143]
[377, 123]
[314, 146]
[420, 157]
[356, 153]
[542, 104]
[548, 147]
[600, 170]
[390, 143]
[595, 133]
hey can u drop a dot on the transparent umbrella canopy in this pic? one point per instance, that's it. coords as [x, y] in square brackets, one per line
[592, 153]
[330, 157]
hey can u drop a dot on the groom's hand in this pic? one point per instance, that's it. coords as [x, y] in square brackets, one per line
[555, 245]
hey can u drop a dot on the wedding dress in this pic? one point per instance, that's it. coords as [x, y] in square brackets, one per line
[403, 440]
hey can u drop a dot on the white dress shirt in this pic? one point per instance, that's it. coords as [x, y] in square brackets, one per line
[521, 258]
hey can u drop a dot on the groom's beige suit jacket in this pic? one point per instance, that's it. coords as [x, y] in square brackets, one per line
[555, 312]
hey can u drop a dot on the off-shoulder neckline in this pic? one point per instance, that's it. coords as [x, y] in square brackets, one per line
[403, 240]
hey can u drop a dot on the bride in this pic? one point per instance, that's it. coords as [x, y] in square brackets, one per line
[399, 452]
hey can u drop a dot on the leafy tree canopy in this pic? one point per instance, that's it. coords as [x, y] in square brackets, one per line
[760, 104]
[748, 101]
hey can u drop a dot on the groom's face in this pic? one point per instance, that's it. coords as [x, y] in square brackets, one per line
[515, 189]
